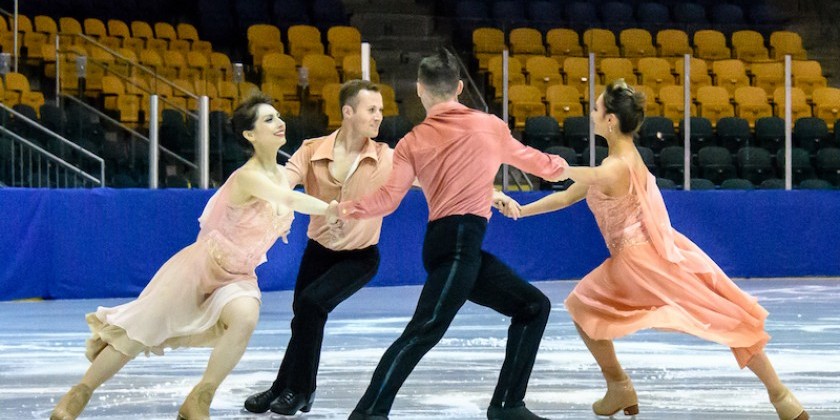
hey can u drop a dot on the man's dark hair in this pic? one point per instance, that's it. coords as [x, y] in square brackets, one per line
[348, 94]
[440, 73]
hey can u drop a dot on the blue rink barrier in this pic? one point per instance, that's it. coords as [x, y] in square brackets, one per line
[95, 243]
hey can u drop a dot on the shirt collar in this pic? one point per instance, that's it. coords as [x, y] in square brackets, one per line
[325, 150]
[444, 107]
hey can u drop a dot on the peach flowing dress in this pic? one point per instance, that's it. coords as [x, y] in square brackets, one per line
[657, 278]
[181, 305]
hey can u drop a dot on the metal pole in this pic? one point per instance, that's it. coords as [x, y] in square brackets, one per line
[505, 111]
[204, 141]
[592, 100]
[57, 67]
[17, 47]
[788, 127]
[687, 122]
[365, 61]
[154, 160]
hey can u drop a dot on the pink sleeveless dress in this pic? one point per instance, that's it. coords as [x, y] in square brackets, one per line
[657, 278]
[181, 305]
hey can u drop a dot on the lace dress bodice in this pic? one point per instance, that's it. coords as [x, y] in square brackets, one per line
[618, 218]
[238, 236]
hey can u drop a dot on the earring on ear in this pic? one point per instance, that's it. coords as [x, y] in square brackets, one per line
[610, 128]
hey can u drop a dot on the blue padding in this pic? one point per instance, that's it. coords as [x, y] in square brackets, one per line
[108, 243]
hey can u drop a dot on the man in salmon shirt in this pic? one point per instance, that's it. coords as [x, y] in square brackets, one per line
[455, 154]
[337, 262]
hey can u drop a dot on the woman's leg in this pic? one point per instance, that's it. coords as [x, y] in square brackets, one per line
[239, 318]
[620, 392]
[761, 366]
[107, 363]
[604, 354]
[786, 405]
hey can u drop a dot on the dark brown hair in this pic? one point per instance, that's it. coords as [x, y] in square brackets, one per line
[245, 116]
[439, 73]
[626, 104]
[348, 94]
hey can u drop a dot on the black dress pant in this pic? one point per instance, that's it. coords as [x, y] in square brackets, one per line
[458, 270]
[325, 279]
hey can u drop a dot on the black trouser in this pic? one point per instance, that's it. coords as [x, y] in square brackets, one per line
[458, 270]
[325, 279]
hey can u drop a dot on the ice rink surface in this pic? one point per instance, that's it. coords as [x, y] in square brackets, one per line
[676, 376]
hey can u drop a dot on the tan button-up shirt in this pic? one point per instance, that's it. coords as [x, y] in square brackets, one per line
[310, 166]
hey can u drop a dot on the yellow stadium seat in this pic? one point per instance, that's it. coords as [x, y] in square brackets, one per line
[526, 43]
[343, 41]
[615, 68]
[751, 103]
[322, 70]
[494, 70]
[487, 43]
[636, 43]
[601, 42]
[331, 107]
[827, 104]
[699, 75]
[673, 103]
[543, 72]
[389, 100]
[714, 103]
[807, 75]
[304, 40]
[655, 73]
[562, 43]
[69, 27]
[787, 43]
[799, 107]
[711, 45]
[525, 101]
[748, 45]
[652, 108]
[352, 68]
[768, 76]
[730, 74]
[563, 101]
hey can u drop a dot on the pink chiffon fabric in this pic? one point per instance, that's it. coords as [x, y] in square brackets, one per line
[657, 278]
[181, 305]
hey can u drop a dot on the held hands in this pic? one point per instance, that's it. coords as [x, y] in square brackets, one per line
[506, 205]
[333, 222]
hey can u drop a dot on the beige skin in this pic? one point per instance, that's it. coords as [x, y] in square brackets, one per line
[613, 179]
[260, 177]
[360, 122]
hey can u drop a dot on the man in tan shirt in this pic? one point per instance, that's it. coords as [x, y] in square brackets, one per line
[344, 165]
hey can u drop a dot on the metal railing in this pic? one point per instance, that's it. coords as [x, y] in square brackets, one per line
[200, 120]
[30, 165]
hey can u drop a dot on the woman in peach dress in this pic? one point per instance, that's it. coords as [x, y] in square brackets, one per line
[655, 277]
[206, 295]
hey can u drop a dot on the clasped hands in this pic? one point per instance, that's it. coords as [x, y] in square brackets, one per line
[506, 205]
[334, 223]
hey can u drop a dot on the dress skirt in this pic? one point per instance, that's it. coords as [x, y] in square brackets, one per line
[180, 307]
[637, 289]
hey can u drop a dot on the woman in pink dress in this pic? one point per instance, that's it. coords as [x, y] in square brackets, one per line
[206, 295]
[655, 277]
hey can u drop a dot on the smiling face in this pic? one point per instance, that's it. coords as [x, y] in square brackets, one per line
[268, 128]
[366, 116]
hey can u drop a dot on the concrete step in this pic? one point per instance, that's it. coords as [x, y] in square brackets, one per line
[385, 24]
[388, 6]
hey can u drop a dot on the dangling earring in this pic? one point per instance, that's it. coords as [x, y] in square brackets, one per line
[610, 128]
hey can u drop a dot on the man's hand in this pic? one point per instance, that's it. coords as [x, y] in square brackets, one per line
[506, 205]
